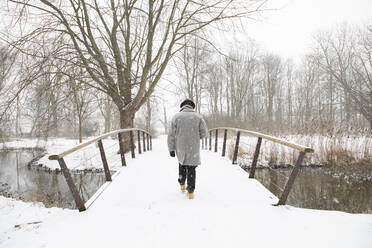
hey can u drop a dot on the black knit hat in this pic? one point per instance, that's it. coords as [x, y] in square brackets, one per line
[188, 102]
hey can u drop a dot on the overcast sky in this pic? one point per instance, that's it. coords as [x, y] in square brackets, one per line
[288, 31]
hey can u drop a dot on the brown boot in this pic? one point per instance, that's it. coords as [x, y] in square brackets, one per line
[190, 195]
[183, 188]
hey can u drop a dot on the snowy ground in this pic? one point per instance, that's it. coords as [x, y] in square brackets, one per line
[86, 158]
[143, 207]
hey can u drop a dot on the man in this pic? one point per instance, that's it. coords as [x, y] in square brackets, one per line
[187, 128]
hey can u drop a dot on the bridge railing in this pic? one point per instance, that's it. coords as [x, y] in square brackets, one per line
[146, 142]
[302, 149]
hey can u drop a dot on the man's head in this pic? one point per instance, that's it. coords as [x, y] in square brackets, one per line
[188, 102]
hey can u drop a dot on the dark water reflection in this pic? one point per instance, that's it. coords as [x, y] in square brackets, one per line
[319, 188]
[27, 183]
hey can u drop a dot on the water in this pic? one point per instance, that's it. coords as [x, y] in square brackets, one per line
[320, 188]
[28, 183]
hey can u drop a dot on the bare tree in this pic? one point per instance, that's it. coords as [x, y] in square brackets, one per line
[82, 101]
[122, 45]
[164, 121]
[348, 63]
[272, 69]
[7, 60]
[191, 66]
[106, 106]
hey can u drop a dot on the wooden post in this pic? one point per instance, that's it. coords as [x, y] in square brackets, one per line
[216, 140]
[139, 141]
[75, 193]
[122, 154]
[291, 179]
[202, 143]
[132, 144]
[206, 142]
[224, 143]
[210, 140]
[144, 143]
[150, 142]
[235, 157]
[255, 158]
[104, 161]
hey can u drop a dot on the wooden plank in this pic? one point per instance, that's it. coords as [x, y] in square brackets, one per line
[216, 141]
[210, 140]
[255, 158]
[82, 145]
[148, 142]
[75, 193]
[236, 149]
[104, 161]
[291, 179]
[224, 143]
[144, 142]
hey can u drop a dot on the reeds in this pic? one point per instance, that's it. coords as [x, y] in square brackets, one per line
[337, 150]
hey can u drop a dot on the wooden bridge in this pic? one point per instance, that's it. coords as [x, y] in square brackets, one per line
[146, 138]
[143, 205]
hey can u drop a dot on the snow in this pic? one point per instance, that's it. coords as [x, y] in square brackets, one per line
[327, 148]
[144, 207]
[86, 158]
[356, 148]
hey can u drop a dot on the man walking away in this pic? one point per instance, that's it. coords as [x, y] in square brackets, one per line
[187, 128]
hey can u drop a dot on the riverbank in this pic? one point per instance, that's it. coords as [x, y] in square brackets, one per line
[346, 154]
[85, 160]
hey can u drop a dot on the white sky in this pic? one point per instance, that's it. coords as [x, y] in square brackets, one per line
[288, 31]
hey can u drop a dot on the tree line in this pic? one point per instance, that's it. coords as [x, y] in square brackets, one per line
[329, 90]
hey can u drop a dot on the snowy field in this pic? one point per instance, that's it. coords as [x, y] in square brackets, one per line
[143, 207]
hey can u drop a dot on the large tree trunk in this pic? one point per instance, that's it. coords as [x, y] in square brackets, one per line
[126, 121]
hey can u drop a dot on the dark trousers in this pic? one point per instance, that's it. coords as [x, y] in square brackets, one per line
[187, 172]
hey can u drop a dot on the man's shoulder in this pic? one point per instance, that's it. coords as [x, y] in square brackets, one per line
[185, 114]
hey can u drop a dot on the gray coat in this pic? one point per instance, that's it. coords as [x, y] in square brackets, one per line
[187, 128]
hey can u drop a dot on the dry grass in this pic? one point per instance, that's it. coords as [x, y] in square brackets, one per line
[341, 150]
[230, 150]
[48, 202]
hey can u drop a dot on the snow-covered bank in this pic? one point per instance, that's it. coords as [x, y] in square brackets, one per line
[143, 207]
[86, 159]
[349, 150]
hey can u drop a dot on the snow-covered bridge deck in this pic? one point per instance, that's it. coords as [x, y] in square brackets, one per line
[144, 207]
